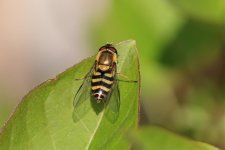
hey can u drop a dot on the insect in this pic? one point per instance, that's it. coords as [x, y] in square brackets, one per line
[104, 73]
[100, 82]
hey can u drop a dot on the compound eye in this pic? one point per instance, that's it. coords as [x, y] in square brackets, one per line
[109, 47]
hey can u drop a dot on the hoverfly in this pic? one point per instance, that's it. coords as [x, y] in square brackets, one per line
[101, 83]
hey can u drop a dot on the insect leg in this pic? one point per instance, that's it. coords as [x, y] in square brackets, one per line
[127, 79]
[134, 81]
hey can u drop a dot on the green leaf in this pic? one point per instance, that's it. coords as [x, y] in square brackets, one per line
[43, 120]
[156, 138]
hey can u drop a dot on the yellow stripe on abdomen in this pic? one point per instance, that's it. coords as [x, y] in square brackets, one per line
[102, 80]
[108, 75]
[96, 73]
[100, 87]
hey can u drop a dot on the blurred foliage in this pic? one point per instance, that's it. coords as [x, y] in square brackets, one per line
[182, 55]
[152, 137]
[210, 11]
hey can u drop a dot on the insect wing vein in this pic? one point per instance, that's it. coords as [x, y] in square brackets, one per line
[113, 103]
[81, 101]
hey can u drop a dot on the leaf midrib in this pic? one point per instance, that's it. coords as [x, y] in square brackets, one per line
[95, 130]
[102, 114]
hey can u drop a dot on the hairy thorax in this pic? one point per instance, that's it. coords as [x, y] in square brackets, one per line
[105, 61]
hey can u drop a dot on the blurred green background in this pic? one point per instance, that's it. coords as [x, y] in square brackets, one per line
[182, 58]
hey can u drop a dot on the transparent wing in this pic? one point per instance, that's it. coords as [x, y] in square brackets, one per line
[82, 98]
[113, 103]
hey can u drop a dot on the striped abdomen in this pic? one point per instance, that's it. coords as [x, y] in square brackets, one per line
[101, 84]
